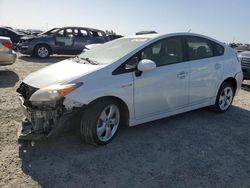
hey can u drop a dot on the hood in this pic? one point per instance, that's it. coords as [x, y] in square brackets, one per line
[61, 72]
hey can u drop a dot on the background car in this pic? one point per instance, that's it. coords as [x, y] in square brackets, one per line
[130, 81]
[12, 34]
[145, 32]
[66, 40]
[113, 37]
[242, 48]
[245, 64]
[7, 55]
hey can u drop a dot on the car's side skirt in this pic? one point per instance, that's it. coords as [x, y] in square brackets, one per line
[134, 122]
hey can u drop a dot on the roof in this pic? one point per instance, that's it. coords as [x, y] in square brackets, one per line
[75, 27]
[159, 36]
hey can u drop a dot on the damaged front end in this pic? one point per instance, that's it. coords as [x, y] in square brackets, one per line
[46, 118]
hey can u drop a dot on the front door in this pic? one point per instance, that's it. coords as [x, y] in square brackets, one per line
[64, 42]
[166, 87]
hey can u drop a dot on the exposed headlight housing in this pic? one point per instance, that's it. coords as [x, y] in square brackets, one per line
[53, 92]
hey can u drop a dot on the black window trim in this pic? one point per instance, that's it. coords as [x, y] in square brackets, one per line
[121, 69]
[212, 43]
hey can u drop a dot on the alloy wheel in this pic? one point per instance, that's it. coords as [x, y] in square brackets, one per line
[226, 98]
[43, 52]
[108, 122]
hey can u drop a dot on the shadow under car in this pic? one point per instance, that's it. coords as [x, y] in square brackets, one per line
[193, 148]
[8, 78]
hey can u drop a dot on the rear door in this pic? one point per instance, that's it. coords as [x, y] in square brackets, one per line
[205, 69]
[82, 38]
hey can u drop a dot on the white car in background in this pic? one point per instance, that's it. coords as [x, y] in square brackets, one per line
[7, 55]
[131, 80]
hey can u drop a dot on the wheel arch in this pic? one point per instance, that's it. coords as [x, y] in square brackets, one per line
[122, 104]
[43, 43]
[232, 81]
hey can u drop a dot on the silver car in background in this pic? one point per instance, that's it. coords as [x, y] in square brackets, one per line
[7, 55]
[245, 64]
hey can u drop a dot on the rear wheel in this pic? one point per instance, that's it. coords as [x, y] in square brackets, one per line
[42, 51]
[224, 98]
[100, 122]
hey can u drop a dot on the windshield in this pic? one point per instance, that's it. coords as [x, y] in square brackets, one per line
[112, 51]
[49, 31]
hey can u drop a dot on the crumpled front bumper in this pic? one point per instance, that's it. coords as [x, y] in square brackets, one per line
[25, 48]
[42, 124]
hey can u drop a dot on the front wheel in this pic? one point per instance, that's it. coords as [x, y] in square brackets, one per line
[42, 51]
[100, 122]
[224, 98]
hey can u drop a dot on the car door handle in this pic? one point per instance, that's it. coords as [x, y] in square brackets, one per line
[127, 85]
[217, 66]
[182, 75]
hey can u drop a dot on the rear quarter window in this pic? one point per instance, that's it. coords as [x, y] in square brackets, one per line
[218, 49]
[96, 33]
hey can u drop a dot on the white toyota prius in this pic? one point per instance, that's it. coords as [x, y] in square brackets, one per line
[131, 80]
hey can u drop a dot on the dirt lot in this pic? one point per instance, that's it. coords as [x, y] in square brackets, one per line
[195, 149]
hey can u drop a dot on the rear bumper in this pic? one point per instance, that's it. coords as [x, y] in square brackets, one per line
[43, 124]
[24, 49]
[7, 58]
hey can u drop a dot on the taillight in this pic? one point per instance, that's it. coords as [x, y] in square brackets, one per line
[7, 44]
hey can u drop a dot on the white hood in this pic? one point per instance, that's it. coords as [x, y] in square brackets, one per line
[63, 71]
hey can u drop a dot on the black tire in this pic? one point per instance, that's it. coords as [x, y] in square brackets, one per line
[45, 47]
[89, 121]
[216, 107]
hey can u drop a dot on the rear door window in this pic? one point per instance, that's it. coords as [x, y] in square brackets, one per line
[69, 33]
[82, 33]
[95, 33]
[198, 48]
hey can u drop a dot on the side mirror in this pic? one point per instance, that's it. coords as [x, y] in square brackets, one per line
[146, 65]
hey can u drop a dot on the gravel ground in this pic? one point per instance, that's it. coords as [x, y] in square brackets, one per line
[194, 149]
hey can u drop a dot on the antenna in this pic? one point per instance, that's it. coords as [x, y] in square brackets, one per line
[189, 30]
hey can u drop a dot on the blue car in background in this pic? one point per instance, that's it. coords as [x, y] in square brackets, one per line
[66, 41]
